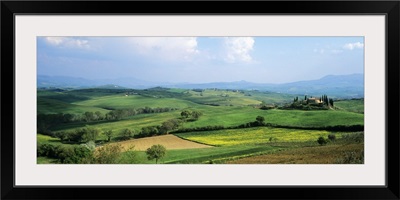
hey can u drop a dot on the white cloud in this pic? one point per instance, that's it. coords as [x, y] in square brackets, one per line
[169, 48]
[238, 49]
[351, 46]
[68, 42]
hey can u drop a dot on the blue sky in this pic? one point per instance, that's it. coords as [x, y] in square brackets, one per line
[200, 59]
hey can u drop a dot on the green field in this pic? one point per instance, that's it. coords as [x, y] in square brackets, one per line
[238, 115]
[356, 105]
[205, 155]
[53, 106]
[134, 122]
[226, 108]
[47, 139]
[134, 101]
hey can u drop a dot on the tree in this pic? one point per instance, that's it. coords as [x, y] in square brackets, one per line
[89, 116]
[157, 152]
[185, 114]
[332, 137]
[169, 125]
[176, 123]
[68, 117]
[99, 115]
[166, 127]
[322, 141]
[109, 134]
[108, 154]
[196, 114]
[126, 134]
[260, 120]
[89, 134]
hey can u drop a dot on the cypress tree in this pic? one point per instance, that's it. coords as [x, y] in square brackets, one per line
[326, 100]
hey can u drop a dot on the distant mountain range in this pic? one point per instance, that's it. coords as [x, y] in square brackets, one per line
[73, 82]
[349, 86]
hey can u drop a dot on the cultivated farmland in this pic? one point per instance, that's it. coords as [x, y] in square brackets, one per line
[169, 141]
[209, 126]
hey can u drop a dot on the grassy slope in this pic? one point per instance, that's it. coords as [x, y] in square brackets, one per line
[234, 143]
[306, 155]
[47, 139]
[204, 155]
[45, 160]
[356, 106]
[53, 106]
[231, 116]
[40, 138]
[135, 101]
[223, 98]
[218, 115]
[134, 123]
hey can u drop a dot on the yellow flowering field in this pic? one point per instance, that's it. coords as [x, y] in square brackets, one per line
[254, 136]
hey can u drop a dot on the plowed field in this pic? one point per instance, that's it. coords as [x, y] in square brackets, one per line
[168, 141]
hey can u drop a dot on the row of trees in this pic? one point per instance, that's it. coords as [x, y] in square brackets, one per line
[191, 115]
[349, 138]
[203, 128]
[80, 135]
[87, 134]
[88, 154]
[260, 121]
[122, 113]
[327, 101]
[45, 122]
[67, 153]
[165, 128]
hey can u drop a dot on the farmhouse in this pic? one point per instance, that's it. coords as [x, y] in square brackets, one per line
[314, 101]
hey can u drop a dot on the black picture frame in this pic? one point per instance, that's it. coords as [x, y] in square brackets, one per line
[11, 8]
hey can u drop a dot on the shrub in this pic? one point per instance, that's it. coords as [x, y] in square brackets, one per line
[126, 134]
[47, 150]
[273, 139]
[322, 141]
[353, 157]
[108, 154]
[353, 137]
[332, 137]
[66, 154]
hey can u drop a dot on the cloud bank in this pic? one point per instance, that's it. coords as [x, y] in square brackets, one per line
[238, 49]
[169, 48]
[67, 42]
[351, 46]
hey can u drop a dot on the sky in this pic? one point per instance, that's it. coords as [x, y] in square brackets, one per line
[200, 59]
